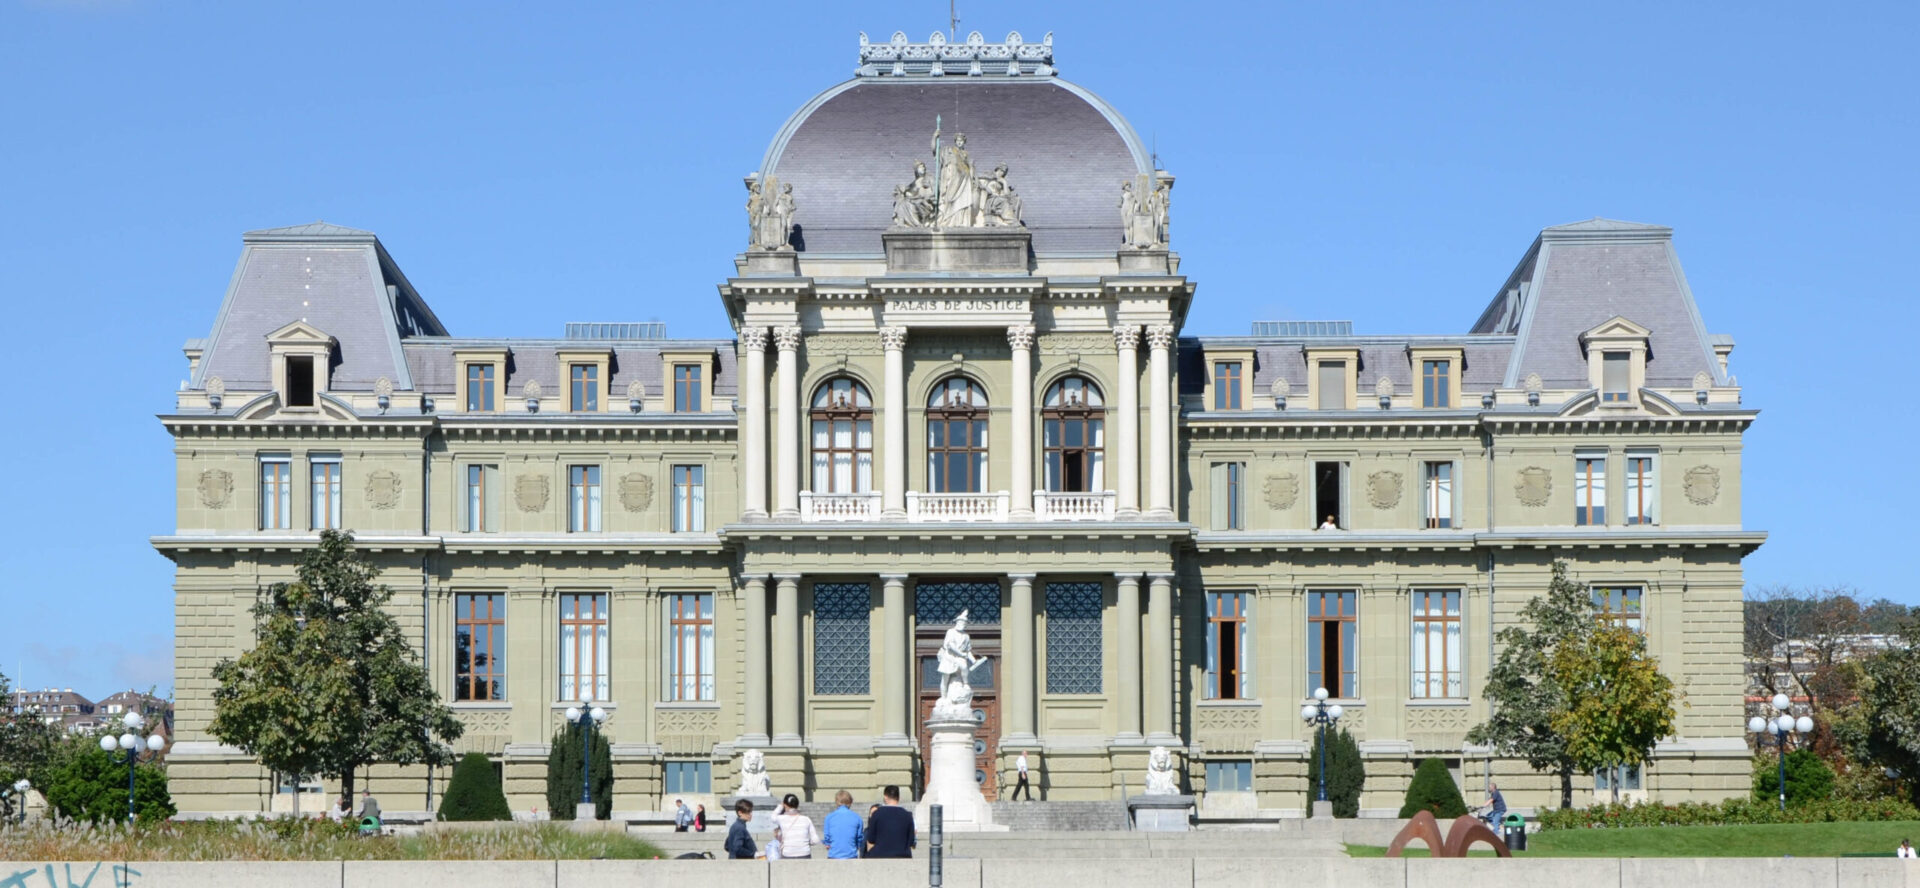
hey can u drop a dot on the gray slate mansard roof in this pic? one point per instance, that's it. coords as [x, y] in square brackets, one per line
[1067, 153]
[537, 360]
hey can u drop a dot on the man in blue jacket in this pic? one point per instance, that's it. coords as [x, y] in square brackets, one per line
[740, 844]
[844, 834]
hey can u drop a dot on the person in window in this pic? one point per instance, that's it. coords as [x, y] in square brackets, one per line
[798, 835]
[739, 844]
[1330, 524]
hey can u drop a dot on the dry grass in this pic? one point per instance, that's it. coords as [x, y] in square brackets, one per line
[310, 840]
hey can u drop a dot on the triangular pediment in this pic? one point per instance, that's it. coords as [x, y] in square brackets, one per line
[299, 333]
[1616, 327]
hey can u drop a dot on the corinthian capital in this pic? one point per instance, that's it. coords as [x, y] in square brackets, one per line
[1160, 336]
[754, 338]
[893, 338]
[1020, 336]
[1126, 336]
[788, 338]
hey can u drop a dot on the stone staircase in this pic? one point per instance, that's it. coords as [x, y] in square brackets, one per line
[1061, 816]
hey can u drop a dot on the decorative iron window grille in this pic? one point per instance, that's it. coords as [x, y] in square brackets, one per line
[1073, 638]
[841, 661]
[936, 604]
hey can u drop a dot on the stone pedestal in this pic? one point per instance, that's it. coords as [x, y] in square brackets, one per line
[1152, 261]
[950, 781]
[784, 263]
[1161, 813]
[1322, 810]
[583, 813]
[982, 250]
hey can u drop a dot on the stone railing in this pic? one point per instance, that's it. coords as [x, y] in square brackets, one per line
[1057, 505]
[839, 506]
[957, 506]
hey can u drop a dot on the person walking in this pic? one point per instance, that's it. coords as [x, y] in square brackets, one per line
[844, 833]
[1020, 765]
[739, 844]
[890, 830]
[699, 818]
[682, 816]
[798, 835]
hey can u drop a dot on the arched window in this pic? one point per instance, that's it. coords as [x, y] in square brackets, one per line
[842, 437]
[1073, 434]
[957, 437]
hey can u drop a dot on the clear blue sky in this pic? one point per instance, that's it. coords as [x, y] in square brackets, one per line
[532, 164]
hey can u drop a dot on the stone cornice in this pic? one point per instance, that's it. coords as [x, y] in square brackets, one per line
[1438, 540]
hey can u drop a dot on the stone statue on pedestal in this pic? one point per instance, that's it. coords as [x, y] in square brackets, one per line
[955, 659]
[769, 215]
[952, 730]
[1143, 213]
[953, 196]
[1160, 776]
[753, 775]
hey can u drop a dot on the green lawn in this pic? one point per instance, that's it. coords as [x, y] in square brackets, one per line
[314, 840]
[1762, 840]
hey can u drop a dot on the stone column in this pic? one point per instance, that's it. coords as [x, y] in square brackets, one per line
[1160, 416]
[895, 665]
[893, 499]
[1019, 677]
[788, 459]
[787, 698]
[754, 341]
[1126, 463]
[1127, 620]
[1020, 336]
[1160, 661]
[754, 694]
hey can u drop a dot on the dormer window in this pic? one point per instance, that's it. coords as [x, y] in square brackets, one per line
[687, 388]
[584, 388]
[480, 379]
[482, 376]
[299, 355]
[1226, 385]
[1616, 374]
[300, 381]
[1617, 360]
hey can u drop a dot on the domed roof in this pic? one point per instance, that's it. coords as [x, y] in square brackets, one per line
[1066, 150]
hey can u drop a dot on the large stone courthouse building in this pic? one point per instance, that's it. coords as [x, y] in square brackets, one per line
[959, 382]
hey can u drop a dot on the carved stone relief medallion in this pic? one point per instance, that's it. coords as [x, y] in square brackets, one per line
[1533, 486]
[1703, 485]
[1383, 489]
[216, 488]
[1282, 490]
[636, 491]
[530, 493]
[383, 489]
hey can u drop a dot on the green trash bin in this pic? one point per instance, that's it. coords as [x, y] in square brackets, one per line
[1515, 827]
[369, 826]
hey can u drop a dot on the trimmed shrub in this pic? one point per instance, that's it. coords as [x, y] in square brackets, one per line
[1809, 778]
[563, 774]
[91, 785]
[1346, 774]
[474, 792]
[1433, 790]
[1732, 812]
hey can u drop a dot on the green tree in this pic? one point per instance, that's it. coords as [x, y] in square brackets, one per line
[1346, 773]
[474, 792]
[27, 742]
[1808, 777]
[1433, 789]
[331, 684]
[563, 774]
[1892, 698]
[1524, 697]
[90, 784]
[1617, 701]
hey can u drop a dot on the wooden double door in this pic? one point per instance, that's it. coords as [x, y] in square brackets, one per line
[985, 679]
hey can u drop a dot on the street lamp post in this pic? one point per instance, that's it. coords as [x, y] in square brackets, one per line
[1780, 726]
[587, 716]
[131, 742]
[18, 792]
[1321, 713]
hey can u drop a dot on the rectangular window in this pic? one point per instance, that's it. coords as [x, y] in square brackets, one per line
[689, 499]
[1590, 490]
[583, 648]
[583, 499]
[299, 381]
[1333, 660]
[1226, 385]
[689, 648]
[689, 778]
[1436, 383]
[687, 391]
[584, 394]
[479, 388]
[1436, 644]
[1332, 384]
[1230, 776]
[1437, 493]
[1619, 604]
[324, 493]
[276, 492]
[1229, 496]
[1227, 675]
[483, 499]
[1643, 493]
[480, 647]
[1330, 495]
[1627, 776]
[842, 656]
[1074, 659]
[1614, 377]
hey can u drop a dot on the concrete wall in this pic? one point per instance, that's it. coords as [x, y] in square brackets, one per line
[1812, 872]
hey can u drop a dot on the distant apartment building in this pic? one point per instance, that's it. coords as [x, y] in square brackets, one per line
[59, 706]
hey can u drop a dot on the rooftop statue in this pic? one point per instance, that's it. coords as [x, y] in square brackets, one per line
[954, 196]
[1143, 213]
[769, 215]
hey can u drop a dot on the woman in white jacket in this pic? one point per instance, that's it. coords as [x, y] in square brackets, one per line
[797, 833]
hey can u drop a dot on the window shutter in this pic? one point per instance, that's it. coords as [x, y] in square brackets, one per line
[1346, 499]
[1333, 385]
[490, 477]
[1613, 372]
[1218, 500]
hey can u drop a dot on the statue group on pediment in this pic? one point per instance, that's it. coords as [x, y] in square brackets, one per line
[769, 215]
[954, 196]
[1144, 210]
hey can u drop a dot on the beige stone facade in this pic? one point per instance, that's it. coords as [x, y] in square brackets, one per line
[761, 532]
